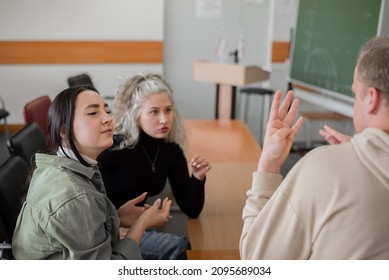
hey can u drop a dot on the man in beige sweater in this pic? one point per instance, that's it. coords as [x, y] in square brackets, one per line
[334, 203]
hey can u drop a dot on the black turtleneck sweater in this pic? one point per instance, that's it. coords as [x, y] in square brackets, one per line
[128, 173]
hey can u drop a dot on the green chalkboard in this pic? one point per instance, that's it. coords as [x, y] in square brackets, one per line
[327, 39]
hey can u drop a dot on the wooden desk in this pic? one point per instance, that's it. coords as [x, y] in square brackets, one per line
[234, 154]
[221, 141]
[227, 77]
[220, 224]
[213, 254]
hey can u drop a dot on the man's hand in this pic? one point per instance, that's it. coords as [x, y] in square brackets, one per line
[280, 133]
[333, 136]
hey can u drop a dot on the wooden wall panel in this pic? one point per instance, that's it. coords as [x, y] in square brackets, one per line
[280, 51]
[80, 52]
[12, 128]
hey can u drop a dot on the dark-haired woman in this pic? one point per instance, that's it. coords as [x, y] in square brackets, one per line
[67, 214]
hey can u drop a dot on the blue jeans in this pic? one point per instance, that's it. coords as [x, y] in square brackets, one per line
[163, 246]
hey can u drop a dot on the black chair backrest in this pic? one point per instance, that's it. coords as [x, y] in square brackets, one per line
[13, 176]
[3, 116]
[5, 242]
[80, 80]
[27, 141]
[4, 237]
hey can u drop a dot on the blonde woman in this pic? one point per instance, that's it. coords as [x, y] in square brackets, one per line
[147, 151]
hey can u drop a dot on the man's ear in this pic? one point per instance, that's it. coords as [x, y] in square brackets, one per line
[374, 100]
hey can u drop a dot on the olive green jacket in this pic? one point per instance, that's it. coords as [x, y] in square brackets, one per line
[67, 215]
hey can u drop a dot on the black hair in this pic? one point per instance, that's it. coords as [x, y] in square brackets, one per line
[60, 120]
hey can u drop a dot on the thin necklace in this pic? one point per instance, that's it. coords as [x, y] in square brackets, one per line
[148, 158]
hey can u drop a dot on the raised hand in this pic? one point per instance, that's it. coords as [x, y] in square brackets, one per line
[280, 133]
[200, 166]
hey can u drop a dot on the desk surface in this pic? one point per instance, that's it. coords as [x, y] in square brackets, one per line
[234, 153]
[221, 141]
[220, 224]
[213, 254]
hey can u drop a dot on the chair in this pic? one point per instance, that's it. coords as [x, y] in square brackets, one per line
[5, 242]
[85, 79]
[265, 95]
[80, 80]
[13, 176]
[36, 111]
[3, 116]
[27, 141]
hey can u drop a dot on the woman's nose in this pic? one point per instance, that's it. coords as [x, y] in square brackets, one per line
[107, 118]
[162, 118]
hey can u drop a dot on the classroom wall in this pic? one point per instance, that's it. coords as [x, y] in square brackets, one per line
[72, 20]
[186, 37]
[191, 34]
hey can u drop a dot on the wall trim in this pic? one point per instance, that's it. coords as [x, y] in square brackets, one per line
[96, 52]
[12, 128]
[80, 52]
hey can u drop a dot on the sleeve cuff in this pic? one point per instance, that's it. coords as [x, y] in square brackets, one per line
[265, 181]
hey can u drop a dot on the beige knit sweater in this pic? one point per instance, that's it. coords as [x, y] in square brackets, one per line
[333, 204]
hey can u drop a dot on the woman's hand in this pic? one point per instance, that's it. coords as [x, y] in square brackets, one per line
[129, 212]
[200, 166]
[333, 136]
[154, 216]
[280, 133]
[123, 232]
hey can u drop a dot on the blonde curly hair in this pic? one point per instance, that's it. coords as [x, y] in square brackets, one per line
[128, 104]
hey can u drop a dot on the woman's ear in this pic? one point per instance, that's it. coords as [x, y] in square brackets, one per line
[137, 122]
[374, 100]
[63, 133]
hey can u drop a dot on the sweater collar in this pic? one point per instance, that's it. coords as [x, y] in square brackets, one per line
[148, 140]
